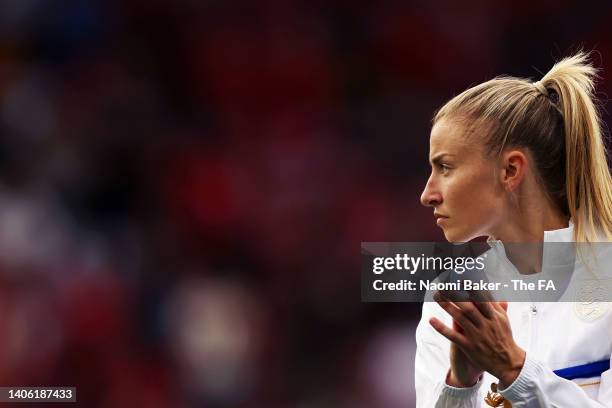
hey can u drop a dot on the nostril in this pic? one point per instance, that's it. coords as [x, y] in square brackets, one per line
[432, 200]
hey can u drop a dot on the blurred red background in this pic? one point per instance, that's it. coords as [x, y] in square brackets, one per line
[184, 187]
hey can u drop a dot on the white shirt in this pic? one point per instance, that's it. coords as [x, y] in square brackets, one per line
[555, 335]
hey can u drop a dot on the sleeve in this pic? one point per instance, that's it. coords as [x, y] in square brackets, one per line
[538, 386]
[432, 365]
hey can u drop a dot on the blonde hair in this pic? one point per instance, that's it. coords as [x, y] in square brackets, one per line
[557, 119]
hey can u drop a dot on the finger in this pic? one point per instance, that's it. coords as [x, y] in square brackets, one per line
[471, 312]
[501, 306]
[447, 332]
[455, 296]
[458, 328]
[480, 295]
[485, 308]
[483, 300]
[455, 311]
[468, 308]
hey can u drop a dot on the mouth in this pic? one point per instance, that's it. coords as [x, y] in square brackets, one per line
[440, 219]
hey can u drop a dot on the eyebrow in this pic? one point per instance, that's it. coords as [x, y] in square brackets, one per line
[438, 158]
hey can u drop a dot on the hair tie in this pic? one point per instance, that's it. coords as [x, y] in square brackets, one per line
[538, 85]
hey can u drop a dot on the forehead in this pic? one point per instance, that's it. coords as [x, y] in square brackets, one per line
[452, 137]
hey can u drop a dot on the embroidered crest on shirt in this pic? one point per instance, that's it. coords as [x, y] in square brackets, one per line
[590, 300]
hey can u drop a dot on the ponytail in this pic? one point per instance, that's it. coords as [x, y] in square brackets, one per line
[588, 181]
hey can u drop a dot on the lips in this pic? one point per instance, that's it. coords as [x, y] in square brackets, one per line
[440, 219]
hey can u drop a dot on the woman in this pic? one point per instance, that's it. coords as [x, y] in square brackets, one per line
[519, 161]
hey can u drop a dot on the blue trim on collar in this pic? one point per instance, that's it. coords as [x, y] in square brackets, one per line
[584, 371]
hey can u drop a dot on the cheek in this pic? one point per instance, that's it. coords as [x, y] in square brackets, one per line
[485, 198]
[475, 193]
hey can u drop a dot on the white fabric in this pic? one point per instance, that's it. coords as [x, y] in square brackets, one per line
[555, 335]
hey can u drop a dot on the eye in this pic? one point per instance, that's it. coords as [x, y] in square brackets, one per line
[444, 169]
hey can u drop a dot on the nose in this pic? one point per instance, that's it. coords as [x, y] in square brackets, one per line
[431, 197]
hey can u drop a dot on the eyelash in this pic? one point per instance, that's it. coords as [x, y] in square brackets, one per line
[444, 168]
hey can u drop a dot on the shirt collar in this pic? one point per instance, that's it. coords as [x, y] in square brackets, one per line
[553, 254]
[558, 235]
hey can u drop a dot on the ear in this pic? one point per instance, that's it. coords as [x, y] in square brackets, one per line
[514, 166]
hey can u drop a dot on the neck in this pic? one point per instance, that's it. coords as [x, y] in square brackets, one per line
[528, 213]
[530, 227]
[526, 225]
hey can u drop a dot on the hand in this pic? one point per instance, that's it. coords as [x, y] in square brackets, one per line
[462, 372]
[485, 338]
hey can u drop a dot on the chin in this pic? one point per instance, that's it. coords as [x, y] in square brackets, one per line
[457, 237]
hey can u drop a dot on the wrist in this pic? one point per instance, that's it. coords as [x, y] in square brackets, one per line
[453, 381]
[507, 377]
